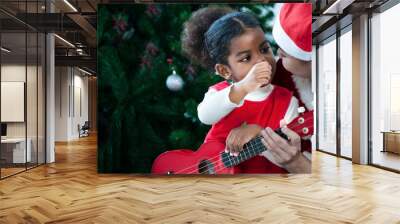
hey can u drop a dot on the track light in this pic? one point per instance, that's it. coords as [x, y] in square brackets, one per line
[5, 50]
[70, 5]
[64, 40]
[337, 7]
[84, 71]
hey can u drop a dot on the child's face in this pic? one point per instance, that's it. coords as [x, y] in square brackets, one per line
[294, 65]
[247, 50]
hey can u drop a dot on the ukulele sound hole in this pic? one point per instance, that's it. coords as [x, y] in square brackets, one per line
[206, 167]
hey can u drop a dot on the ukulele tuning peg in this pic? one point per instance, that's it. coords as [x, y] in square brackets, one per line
[301, 110]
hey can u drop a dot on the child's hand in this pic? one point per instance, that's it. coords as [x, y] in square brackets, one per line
[259, 75]
[240, 136]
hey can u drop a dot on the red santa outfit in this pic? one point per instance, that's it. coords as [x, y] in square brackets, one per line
[300, 86]
[265, 107]
[292, 32]
[301, 89]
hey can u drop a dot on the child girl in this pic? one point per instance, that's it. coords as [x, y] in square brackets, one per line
[234, 45]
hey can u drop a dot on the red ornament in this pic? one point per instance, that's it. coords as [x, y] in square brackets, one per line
[170, 61]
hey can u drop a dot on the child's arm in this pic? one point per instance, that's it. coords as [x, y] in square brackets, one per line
[239, 136]
[259, 75]
[216, 105]
[243, 134]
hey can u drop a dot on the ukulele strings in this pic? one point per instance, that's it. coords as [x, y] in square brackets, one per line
[220, 167]
[293, 127]
[215, 159]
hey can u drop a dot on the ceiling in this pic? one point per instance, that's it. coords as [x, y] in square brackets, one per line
[72, 20]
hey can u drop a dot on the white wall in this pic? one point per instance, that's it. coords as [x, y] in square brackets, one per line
[33, 127]
[70, 84]
[61, 103]
[80, 89]
[13, 100]
[13, 73]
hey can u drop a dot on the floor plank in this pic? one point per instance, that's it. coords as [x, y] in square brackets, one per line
[71, 191]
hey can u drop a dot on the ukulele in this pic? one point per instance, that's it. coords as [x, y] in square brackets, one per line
[211, 158]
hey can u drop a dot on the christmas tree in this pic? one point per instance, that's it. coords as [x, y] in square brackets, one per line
[148, 91]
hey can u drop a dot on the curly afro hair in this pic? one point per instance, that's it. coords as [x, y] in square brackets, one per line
[208, 33]
[193, 45]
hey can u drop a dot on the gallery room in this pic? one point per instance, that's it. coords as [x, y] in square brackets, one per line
[199, 111]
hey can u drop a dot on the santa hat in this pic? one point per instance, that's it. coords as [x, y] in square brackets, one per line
[292, 30]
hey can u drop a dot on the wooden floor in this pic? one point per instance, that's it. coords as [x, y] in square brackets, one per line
[10, 171]
[71, 191]
[5, 172]
[387, 159]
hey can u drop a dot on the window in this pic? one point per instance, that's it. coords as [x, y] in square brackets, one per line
[346, 93]
[327, 96]
[385, 89]
[22, 77]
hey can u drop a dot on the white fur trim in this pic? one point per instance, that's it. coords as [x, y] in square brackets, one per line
[260, 94]
[292, 111]
[287, 44]
[217, 104]
[303, 86]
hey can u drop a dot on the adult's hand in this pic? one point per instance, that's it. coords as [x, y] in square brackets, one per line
[286, 153]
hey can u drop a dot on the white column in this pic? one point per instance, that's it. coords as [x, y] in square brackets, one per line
[314, 90]
[50, 93]
[360, 90]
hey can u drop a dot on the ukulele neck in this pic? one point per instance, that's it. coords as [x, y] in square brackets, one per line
[251, 149]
